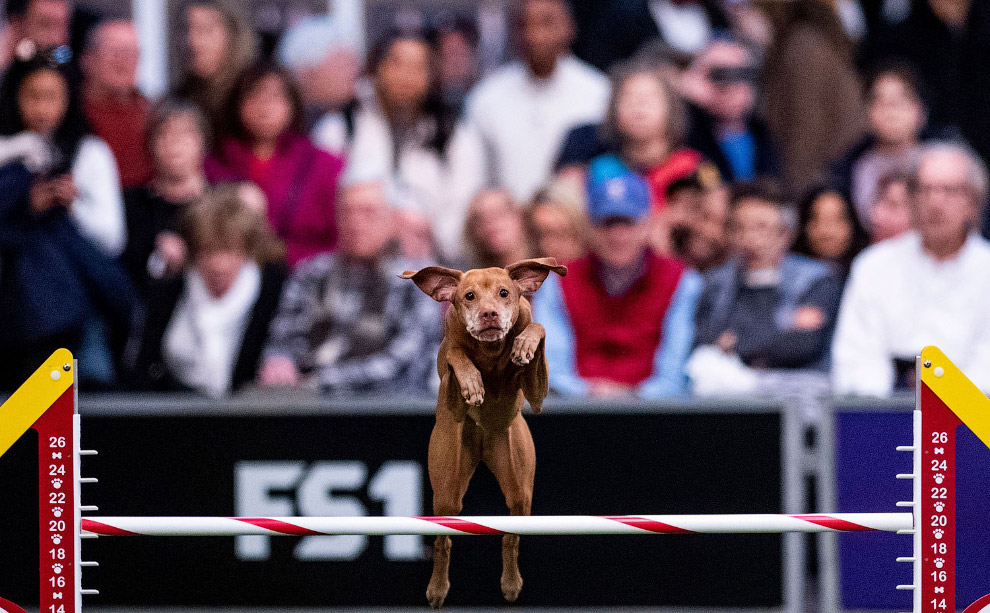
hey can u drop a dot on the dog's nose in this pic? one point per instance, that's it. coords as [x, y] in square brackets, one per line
[489, 314]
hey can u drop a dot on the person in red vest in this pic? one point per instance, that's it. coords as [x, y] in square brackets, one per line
[621, 323]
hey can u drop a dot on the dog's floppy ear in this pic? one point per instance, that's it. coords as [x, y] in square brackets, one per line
[437, 282]
[529, 275]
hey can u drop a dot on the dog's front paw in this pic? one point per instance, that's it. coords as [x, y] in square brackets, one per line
[472, 388]
[523, 349]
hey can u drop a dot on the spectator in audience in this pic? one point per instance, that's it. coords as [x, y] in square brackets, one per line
[618, 29]
[326, 64]
[925, 287]
[41, 95]
[557, 221]
[415, 242]
[586, 141]
[829, 230]
[407, 134]
[57, 289]
[265, 145]
[346, 322]
[220, 46]
[177, 134]
[457, 43]
[45, 23]
[114, 107]
[645, 125]
[204, 329]
[933, 39]
[897, 126]
[706, 245]
[683, 204]
[725, 128]
[765, 308]
[525, 109]
[812, 94]
[494, 230]
[621, 322]
[890, 215]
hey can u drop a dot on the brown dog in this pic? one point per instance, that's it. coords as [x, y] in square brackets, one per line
[491, 359]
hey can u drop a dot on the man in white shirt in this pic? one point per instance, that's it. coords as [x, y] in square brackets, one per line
[929, 286]
[524, 110]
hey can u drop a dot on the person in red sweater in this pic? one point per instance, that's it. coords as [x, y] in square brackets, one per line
[621, 323]
[114, 107]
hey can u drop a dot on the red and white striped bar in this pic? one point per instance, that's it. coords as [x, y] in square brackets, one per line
[501, 524]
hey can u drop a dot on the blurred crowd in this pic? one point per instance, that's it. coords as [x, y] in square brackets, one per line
[749, 195]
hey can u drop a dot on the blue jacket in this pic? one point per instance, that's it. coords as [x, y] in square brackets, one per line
[52, 278]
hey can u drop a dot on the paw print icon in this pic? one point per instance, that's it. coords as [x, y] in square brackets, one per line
[939, 478]
[57, 569]
[57, 483]
[939, 506]
[56, 538]
[939, 562]
[57, 511]
[938, 533]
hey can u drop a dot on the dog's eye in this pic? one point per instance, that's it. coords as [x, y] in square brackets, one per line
[469, 296]
[504, 293]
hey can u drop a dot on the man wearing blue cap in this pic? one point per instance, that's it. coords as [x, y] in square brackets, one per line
[622, 322]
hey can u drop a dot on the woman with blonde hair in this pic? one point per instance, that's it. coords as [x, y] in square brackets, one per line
[220, 46]
[494, 230]
[205, 329]
[557, 221]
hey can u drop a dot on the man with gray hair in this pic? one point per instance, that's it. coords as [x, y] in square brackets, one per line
[326, 63]
[928, 286]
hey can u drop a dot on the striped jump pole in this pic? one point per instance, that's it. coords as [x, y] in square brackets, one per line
[498, 524]
[946, 399]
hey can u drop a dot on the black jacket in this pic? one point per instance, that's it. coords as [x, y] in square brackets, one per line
[618, 29]
[146, 365]
[702, 138]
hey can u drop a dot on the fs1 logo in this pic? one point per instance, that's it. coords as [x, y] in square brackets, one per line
[281, 489]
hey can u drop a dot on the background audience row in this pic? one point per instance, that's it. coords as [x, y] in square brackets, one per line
[741, 191]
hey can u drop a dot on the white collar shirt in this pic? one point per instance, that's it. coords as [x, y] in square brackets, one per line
[899, 299]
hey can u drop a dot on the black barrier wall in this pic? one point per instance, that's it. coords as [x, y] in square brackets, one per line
[340, 460]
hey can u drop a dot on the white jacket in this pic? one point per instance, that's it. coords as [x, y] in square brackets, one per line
[98, 210]
[439, 186]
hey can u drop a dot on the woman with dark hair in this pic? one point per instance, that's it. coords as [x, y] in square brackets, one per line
[409, 137]
[176, 137]
[812, 93]
[41, 96]
[898, 125]
[264, 144]
[61, 228]
[829, 230]
[220, 46]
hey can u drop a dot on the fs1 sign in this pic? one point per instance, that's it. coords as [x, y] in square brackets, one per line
[294, 488]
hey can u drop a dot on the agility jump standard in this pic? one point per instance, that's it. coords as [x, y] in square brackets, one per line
[47, 403]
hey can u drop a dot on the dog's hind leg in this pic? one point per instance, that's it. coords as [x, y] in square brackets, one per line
[512, 458]
[453, 456]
